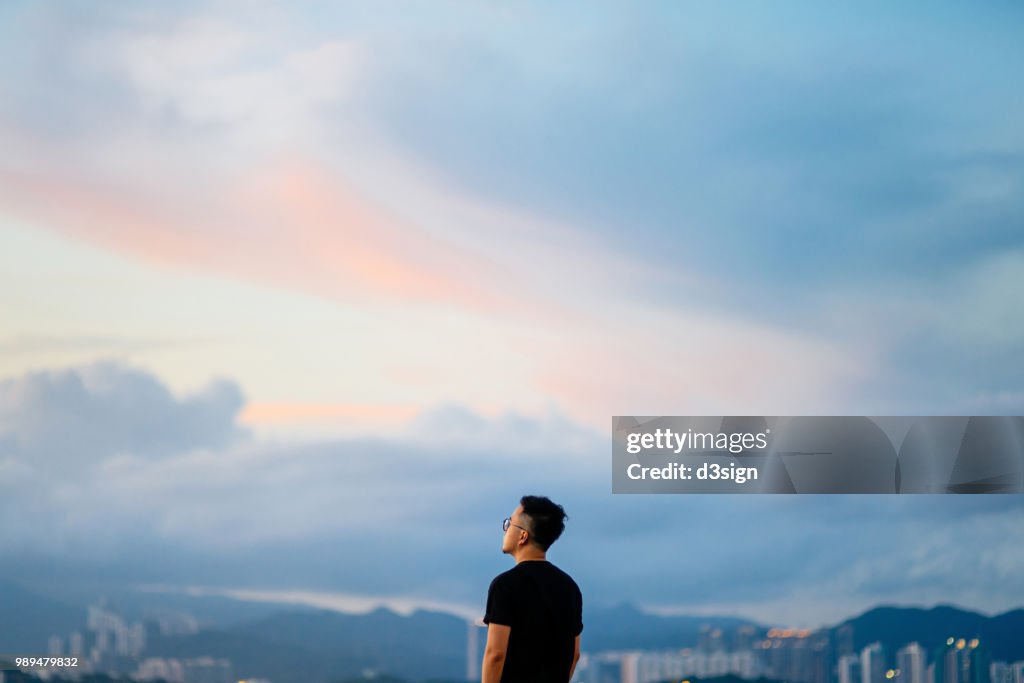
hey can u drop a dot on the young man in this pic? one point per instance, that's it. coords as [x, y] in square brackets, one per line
[534, 610]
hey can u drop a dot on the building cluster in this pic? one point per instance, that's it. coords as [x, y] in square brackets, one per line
[747, 653]
[111, 645]
[107, 643]
[194, 670]
[791, 655]
[957, 660]
[650, 666]
[1003, 672]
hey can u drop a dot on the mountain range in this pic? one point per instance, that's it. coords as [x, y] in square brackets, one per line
[894, 627]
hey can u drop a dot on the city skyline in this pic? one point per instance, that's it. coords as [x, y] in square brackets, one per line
[108, 642]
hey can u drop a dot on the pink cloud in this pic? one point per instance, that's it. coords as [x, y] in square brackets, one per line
[552, 316]
[294, 224]
[269, 413]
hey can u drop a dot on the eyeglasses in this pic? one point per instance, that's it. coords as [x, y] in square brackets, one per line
[508, 522]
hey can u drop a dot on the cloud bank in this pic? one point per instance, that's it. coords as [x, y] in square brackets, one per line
[416, 516]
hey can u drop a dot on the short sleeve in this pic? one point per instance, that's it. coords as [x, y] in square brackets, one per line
[499, 602]
[578, 622]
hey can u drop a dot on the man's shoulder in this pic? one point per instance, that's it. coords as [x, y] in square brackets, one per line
[559, 571]
[505, 578]
[565, 577]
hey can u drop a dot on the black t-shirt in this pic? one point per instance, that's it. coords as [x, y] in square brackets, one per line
[544, 608]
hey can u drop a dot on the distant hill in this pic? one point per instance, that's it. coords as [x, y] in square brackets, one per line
[894, 627]
[252, 656]
[212, 611]
[300, 647]
[30, 619]
[424, 645]
[625, 627]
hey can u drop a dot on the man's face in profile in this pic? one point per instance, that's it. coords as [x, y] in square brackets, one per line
[514, 531]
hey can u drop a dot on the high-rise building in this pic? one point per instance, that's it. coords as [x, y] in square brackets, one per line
[744, 664]
[788, 655]
[605, 668]
[1001, 672]
[679, 664]
[872, 664]
[76, 645]
[962, 660]
[102, 641]
[476, 640]
[710, 639]
[582, 672]
[157, 668]
[207, 670]
[654, 666]
[136, 639]
[910, 662]
[849, 669]
[744, 638]
[630, 667]
[718, 663]
[103, 616]
[844, 640]
[662, 666]
[979, 661]
[111, 634]
[822, 659]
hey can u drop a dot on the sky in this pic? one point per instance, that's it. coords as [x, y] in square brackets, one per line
[304, 296]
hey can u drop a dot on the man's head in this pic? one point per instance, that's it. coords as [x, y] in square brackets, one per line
[537, 521]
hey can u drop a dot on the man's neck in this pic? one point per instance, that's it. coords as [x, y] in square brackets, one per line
[529, 553]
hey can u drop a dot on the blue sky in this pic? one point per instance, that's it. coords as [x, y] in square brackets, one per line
[250, 244]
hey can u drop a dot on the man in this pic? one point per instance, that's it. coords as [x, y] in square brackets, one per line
[534, 610]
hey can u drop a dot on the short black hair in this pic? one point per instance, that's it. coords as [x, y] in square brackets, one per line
[547, 519]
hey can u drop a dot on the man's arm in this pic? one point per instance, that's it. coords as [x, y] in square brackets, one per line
[575, 657]
[494, 652]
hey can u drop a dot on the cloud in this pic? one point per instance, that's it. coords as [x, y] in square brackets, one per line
[509, 433]
[787, 160]
[357, 516]
[210, 73]
[294, 224]
[349, 216]
[69, 420]
[265, 413]
[914, 328]
[34, 345]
